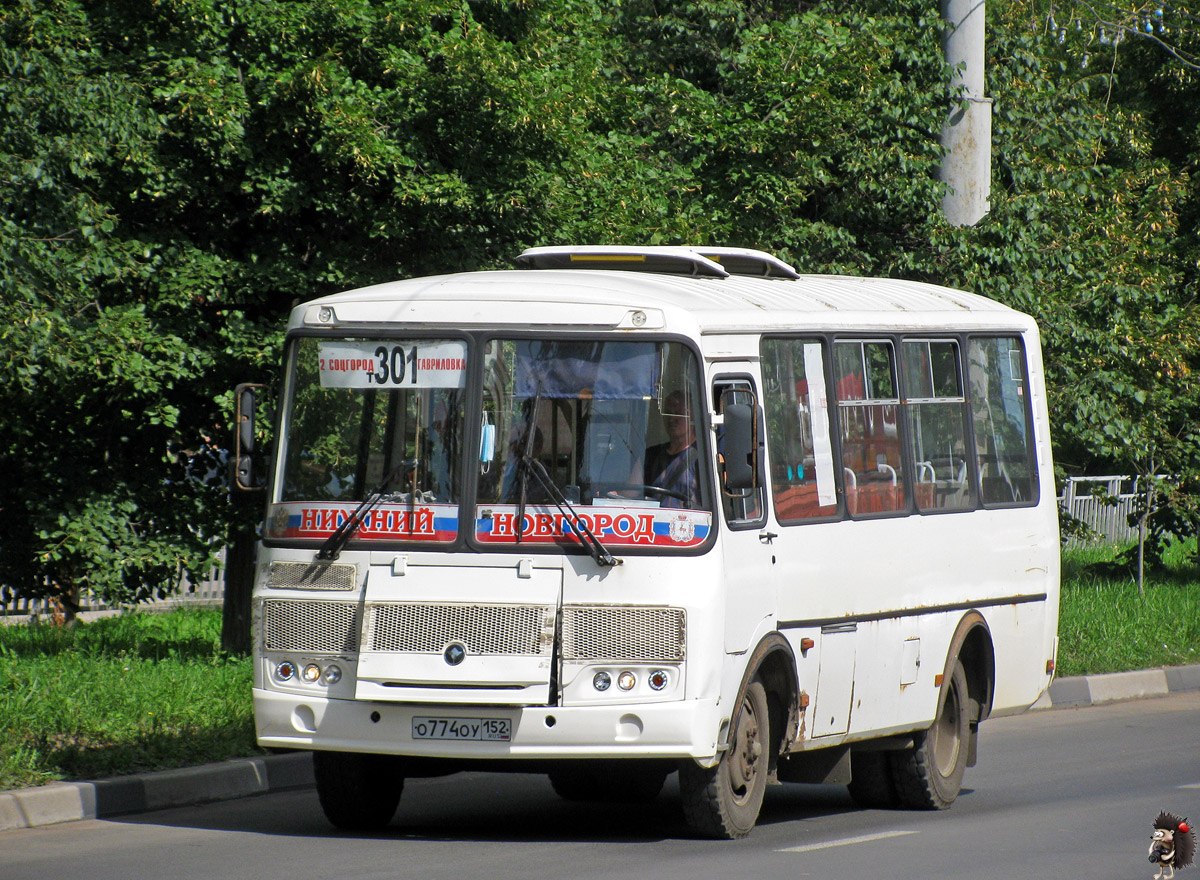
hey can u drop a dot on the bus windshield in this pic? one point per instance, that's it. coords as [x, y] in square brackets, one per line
[612, 426]
[373, 415]
[564, 422]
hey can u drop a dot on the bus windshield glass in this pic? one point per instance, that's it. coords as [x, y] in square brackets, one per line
[611, 430]
[614, 427]
[369, 416]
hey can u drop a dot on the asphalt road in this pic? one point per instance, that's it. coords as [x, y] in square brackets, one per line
[1067, 793]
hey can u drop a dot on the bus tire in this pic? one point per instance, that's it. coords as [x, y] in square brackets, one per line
[612, 782]
[723, 801]
[357, 792]
[871, 780]
[929, 775]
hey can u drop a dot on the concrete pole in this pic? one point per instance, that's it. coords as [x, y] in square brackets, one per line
[967, 132]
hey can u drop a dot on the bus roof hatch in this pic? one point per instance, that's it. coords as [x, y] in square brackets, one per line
[714, 262]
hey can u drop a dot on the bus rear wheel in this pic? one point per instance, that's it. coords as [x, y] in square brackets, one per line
[929, 775]
[724, 801]
[358, 792]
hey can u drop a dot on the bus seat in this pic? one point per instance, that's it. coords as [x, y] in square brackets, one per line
[796, 502]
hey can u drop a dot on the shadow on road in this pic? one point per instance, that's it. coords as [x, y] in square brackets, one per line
[493, 807]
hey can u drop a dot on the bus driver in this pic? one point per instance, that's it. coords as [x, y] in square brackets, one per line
[674, 466]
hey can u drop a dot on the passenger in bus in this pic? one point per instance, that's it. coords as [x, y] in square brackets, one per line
[438, 475]
[675, 465]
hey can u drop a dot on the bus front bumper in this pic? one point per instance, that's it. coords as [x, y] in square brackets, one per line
[678, 729]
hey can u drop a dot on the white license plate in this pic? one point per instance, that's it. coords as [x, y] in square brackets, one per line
[469, 729]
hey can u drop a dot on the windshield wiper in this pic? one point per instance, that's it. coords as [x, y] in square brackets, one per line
[579, 526]
[336, 542]
[529, 464]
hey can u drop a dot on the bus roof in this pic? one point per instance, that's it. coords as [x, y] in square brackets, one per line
[590, 299]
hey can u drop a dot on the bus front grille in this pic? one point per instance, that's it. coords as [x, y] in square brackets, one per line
[310, 627]
[589, 632]
[312, 576]
[418, 628]
[623, 633]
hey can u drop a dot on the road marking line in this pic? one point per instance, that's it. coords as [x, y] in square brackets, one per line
[1191, 785]
[846, 841]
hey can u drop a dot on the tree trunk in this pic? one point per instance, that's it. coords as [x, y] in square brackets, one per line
[1145, 515]
[239, 583]
[64, 606]
[1141, 565]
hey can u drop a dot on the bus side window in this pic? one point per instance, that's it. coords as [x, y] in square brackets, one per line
[868, 410]
[997, 385]
[937, 422]
[802, 472]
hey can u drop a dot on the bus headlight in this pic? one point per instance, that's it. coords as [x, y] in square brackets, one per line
[626, 681]
[601, 681]
[659, 679]
[312, 672]
[333, 674]
[285, 671]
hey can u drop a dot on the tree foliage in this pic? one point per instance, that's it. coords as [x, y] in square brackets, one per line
[175, 174]
[1093, 231]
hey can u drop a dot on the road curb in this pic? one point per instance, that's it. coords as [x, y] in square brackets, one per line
[71, 801]
[1091, 690]
[241, 777]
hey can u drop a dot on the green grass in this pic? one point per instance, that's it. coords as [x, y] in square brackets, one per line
[119, 695]
[1105, 626]
[145, 691]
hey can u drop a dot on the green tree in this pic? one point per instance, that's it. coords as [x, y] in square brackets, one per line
[1098, 211]
[174, 175]
[102, 489]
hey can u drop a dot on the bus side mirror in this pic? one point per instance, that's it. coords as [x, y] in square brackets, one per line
[245, 398]
[740, 447]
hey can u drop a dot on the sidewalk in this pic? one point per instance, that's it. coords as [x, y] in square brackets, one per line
[242, 777]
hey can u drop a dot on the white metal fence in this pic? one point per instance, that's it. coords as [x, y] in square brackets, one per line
[1103, 504]
[210, 591]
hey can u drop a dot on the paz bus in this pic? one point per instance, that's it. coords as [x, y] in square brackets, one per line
[476, 554]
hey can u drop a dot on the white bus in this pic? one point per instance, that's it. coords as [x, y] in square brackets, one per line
[623, 512]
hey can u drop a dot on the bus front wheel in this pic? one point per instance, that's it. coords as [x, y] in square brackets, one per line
[358, 792]
[723, 801]
[929, 775]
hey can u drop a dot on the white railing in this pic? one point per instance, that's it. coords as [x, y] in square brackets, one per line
[1107, 514]
[210, 591]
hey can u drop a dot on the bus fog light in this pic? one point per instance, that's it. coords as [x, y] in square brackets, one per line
[659, 679]
[285, 671]
[312, 672]
[626, 681]
[333, 674]
[602, 681]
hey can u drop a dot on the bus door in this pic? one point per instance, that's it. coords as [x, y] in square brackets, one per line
[746, 546]
[803, 478]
